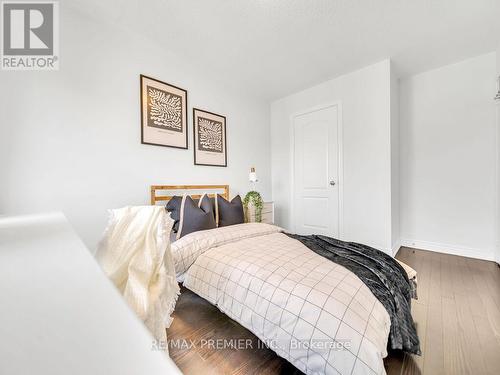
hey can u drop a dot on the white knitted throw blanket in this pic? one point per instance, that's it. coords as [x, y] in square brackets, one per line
[135, 255]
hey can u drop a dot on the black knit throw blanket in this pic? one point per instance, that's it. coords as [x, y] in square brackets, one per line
[383, 275]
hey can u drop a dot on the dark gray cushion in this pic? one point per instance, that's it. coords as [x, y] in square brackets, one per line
[195, 216]
[229, 213]
[174, 207]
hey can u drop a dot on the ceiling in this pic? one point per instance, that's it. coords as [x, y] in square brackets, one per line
[272, 48]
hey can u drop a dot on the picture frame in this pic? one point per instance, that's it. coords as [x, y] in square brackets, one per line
[209, 138]
[163, 114]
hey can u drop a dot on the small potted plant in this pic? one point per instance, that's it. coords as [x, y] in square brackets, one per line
[253, 204]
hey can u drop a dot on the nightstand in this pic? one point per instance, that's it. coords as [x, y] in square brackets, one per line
[267, 213]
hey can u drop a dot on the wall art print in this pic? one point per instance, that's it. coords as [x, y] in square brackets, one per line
[209, 138]
[163, 114]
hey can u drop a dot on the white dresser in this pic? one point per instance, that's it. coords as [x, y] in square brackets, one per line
[59, 313]
[267, 213]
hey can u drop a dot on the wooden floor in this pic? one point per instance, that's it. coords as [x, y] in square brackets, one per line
[457, 316]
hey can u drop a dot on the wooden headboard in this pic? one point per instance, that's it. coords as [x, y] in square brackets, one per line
[171, 190]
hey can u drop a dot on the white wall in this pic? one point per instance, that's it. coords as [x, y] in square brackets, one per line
[365, 100]
[448, 158]
[71, 138]
[498, 163]
[395, 155]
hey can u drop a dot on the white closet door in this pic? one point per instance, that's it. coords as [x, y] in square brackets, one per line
[316, 172]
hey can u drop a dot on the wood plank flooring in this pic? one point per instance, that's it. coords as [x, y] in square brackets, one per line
[457, 317]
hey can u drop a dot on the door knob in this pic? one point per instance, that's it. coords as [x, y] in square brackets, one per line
[332, 183]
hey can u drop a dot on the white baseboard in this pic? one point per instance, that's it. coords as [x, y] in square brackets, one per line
[450, 249]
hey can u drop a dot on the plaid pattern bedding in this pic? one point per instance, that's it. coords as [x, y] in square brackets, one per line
[311, 311]
[187, 249]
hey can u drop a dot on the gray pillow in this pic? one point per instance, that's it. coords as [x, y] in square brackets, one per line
[174, 207]
[193, 216]
[229, 213]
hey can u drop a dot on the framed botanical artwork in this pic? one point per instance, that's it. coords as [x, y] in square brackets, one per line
[210, 147]
[163, 114]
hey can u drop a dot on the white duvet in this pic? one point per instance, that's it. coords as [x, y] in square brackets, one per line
[309, 310]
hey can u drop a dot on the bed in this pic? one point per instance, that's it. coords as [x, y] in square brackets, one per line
[313, 312]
